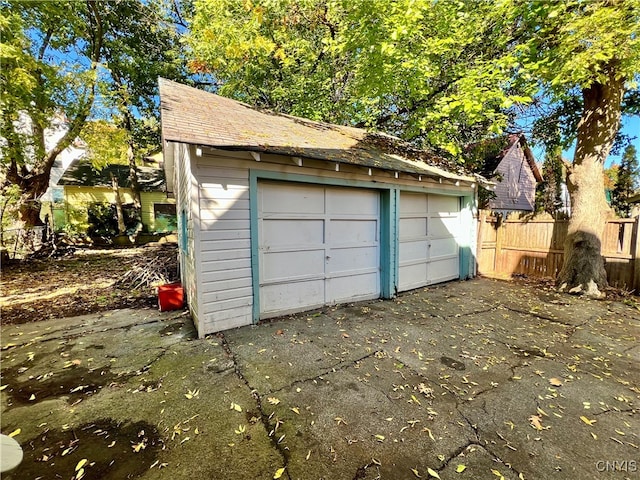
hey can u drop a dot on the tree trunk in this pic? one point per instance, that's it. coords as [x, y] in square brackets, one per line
[135, 186]
[116, 191]
[583, 270]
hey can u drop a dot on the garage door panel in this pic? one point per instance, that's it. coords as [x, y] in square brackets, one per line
[414, 251]
[352, 202]
[444, 226]
[349, 232]
[352, 259]
[282, 266]
[447, 269]
[443, 247]
[428, 250]
[443, 203]
[414, 276]
[317, 245]
[357, 287]
[282, 233]
[413, 203]
[285, 297]
[276, 198]
[413, 227]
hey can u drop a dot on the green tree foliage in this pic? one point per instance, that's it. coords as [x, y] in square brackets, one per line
[37, 86]
[444, 73]
[106, 144]
[549, 192]
[626, 183]
[77, 61]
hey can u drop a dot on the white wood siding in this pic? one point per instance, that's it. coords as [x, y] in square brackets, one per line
[225, 246]
[184, 182]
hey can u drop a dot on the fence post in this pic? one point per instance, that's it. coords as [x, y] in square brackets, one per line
[635, 251]
[498, 265]
[479, 240]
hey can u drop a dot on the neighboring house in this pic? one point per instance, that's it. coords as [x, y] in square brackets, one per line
[83, 185]
[513, 169]
[279, 214]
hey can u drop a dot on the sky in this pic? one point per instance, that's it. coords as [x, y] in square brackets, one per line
[630, 126]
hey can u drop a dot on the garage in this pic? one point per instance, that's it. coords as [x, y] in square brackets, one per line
[429, 238]
[280, 214]
[318, 245]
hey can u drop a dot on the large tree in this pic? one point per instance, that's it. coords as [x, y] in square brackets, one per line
[38, 87]
[78, 60]
[443, 73]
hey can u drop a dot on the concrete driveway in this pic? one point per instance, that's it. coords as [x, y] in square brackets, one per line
[470, 380]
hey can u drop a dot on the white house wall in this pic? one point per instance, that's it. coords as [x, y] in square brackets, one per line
[223, 232]
[187, 210]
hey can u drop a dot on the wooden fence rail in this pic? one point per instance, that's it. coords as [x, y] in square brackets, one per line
[535, 248]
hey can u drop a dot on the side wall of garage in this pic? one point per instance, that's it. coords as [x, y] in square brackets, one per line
[251, 244]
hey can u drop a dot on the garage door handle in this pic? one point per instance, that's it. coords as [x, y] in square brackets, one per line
[327, 257]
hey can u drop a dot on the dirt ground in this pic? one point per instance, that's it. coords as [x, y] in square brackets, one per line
[84, 281]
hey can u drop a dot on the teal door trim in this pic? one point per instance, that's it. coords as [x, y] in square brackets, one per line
[466, 255]
[389, 242]
[255, 244]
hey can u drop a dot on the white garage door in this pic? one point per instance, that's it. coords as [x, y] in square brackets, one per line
[429, 230]
[317, 245]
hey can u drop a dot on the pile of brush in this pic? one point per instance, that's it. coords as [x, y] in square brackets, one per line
[157, 265]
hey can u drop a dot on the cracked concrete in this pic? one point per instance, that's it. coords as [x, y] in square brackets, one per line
[478, 379]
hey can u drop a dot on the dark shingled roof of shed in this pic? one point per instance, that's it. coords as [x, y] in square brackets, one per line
[197, 117]
[82, 174]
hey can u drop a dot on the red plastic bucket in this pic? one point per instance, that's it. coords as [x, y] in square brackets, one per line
[170, 297]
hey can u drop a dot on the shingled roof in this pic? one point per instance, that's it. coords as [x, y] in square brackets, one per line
[197, 117]
[81, 173]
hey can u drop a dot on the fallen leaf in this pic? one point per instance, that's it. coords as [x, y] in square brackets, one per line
[497, 474]
[273, 400]
[3, 387]
[461, 468]
[379, 438]
[433, 473]
[279, 332]
[79, 474]
[415, 472]
[139, 446]
[278, 473]
[556, 382]
[425, 429]
[536, 422]
[192, 393]
[236, 407]
[296, 410]
[587, 421]
[81, 464]
[17, 431]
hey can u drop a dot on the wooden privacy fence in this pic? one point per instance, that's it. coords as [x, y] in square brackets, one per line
[536, 248]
